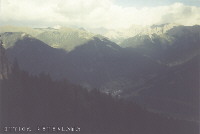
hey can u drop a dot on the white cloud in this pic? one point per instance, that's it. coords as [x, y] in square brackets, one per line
[93, 13]
[181, 14]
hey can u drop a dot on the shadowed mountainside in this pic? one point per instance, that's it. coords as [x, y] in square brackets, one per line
[4, 65]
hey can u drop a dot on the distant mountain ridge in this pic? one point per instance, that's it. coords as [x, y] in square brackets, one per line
[119, 35]
[69, 38]
[63, 38]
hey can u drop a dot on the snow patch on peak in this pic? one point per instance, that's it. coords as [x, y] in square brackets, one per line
[23, 34]
[119, 35]
[57, 27]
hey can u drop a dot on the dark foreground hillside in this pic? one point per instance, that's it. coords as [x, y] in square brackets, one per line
[174, 92]
[39, 101]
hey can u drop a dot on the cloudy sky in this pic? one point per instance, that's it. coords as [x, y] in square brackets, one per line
[110, 14]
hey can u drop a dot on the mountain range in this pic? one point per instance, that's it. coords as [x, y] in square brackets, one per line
[173, 47]
[64, 38]
[155, 66]
[119, 35]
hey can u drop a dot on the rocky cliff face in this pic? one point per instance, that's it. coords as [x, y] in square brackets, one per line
[4, 66]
